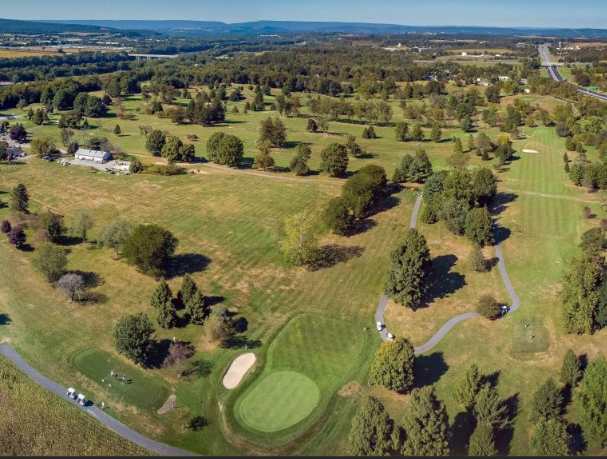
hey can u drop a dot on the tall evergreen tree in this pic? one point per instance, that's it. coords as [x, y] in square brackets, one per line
[488, 407]
[371, 430]
[410, 266]
[550, 438]
[20, 199]
[590, 401]
[196, 309]
[426, 425]
[469, 387]
[162, 295]
[167, 316]
[188, 290]
[571, 371]
[482, 443]
[547, 402]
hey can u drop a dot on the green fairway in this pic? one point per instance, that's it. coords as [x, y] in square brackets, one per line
[306, 363]
[139, 390]
[281, 400]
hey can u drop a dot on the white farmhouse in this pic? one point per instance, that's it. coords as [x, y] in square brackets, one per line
[96, 156]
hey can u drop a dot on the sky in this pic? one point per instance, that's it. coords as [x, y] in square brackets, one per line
[500, 13]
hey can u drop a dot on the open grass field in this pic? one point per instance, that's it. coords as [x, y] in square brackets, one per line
[139, 389]
[229, 226]
[15, 53]
[35, 422]
[305, 326]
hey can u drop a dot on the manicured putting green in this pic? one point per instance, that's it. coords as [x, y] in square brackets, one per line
[279, 401]
[140, 390]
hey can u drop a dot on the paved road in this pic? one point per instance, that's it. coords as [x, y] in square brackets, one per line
[451, 323]
[101, 416]
[554, 73]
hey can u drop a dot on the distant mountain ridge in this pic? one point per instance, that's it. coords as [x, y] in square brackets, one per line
[288, 27]
[37, 27]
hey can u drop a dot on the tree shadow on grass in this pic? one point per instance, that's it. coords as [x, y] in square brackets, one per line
[491, 379]
[462, 428]
[160, 350]
[240, 341]
[361, 226]
[198, 369]
[5, 319]
[69, 241]
[187, 263]
[504, 437]
[214, 300]
[429, 369]
[501, 234]
[578, 443]
[91, 279]
[501, 202]
[331, 255]
[442, 281]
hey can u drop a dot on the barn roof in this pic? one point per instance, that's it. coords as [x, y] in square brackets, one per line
[92, 153]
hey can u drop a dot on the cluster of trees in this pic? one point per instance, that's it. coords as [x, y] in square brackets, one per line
[424, 430]
[589, 175]
[189, 298]
[414, 169]
[359, 195]
[460, 199]
[171, 147]
[584, 292]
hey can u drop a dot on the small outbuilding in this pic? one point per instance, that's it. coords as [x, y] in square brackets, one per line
[96, 156]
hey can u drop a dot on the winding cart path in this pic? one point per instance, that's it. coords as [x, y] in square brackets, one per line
[107, 420]
[451, 323]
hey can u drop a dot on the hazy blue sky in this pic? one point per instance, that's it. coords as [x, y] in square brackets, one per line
[538, 13]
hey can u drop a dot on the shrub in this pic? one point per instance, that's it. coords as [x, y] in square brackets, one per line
[488, 307]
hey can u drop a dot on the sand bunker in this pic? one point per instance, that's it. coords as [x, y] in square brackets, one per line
[237, 370]
[530, 151]
[169, 405]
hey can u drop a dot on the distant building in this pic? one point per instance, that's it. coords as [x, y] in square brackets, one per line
[503, 78]
[93, 155]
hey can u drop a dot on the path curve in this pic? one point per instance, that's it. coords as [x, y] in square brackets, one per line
[97, 413]
[451, 323]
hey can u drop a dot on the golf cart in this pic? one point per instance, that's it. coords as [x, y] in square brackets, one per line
[81, 399]
[380, 326]
[71, 393]
[390, 337]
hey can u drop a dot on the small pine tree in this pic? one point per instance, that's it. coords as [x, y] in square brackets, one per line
[477, 260]
[468, 388]
[567, 168]
[471, 143]
[167, 316]
[565, 157]
[117, 130]
[161, 296]
[187, 291]
[196, 309]
[571, 371]
[457, 146]
[488, 307]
